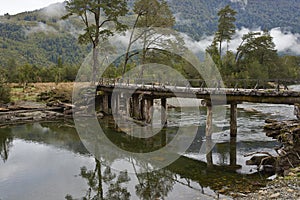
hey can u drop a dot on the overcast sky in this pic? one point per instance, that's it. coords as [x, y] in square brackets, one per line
[17, 6]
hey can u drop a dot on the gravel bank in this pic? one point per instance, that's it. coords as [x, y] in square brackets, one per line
[282, 188]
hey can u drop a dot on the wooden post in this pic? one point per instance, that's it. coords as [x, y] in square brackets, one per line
[232, 151]
[208, 131]
[115, 104]
[128, 106]
[233, 119]
[149, 111]
[163, 111]
[208, 134]
[142, 109]
[105, 104]
[163, 133]
[136, 106]
[209, 158]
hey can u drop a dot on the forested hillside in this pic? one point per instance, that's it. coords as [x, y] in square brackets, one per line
[200, 17]
[41, 38]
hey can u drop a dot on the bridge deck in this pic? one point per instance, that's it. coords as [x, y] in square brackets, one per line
[217, 95]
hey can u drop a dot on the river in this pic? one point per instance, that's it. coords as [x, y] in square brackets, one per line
[47, 160]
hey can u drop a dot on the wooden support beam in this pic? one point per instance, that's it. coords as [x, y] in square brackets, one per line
[163, 133]
[232, 151]
[149, 112]
[208, 131]
[209, 158]
[163, 111]
[136, 106]
[233, 119]
[128, 106]
[115, 103]
[105, 103]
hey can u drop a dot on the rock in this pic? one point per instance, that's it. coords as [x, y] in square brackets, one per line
[4, 109]
[268, 121]
[297, 110]
[257, 160]
[100, 115]
[274, 196]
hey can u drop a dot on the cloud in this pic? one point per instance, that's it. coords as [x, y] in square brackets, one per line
[180, 20]
[245, 2]
[41, 27]
[67, 26]
[285, 41]
[55, 10]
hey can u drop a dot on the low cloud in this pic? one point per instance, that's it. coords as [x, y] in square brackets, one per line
[245, 2]
[41, 27]
[55, 10]
[180, 20]
[67, 26]
[285, 41]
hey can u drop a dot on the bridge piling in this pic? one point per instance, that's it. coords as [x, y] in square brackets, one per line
[208, 129]
[105, 103]
[163, 111]
[115, 104]
[233, 119]
[136, 106]
[149, 109]
[232, 152]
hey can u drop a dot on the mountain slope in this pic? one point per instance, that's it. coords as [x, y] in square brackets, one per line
[200, 17]
[41, 37]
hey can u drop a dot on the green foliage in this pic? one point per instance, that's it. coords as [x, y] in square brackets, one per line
[4, 89]
[255, 58]
[105, 15]
[153, 13]
[226, 27]
[24, 42]
[198, 18]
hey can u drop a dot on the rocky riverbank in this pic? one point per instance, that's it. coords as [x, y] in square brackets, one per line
[28, 111]
[282, 188]
[286, 164]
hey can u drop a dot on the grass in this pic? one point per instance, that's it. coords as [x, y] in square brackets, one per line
[31, 92]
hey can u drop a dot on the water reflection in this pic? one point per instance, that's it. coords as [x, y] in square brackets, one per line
[6, 139]
[53, 145]
[95, 179]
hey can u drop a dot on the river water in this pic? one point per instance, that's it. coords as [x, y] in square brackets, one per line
[47, 160]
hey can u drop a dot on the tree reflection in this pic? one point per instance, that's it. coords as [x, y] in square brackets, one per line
[6, 140]
[96, 180]
[155, 185]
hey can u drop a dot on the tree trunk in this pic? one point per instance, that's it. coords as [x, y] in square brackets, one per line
[95, 65]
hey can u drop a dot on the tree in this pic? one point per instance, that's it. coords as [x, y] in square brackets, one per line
[98, 17]
[258, 49]
[99, 179]
[4, 88]
[153, 18]
[226, 27]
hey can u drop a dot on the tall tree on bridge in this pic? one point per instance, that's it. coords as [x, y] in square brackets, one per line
[98, 17]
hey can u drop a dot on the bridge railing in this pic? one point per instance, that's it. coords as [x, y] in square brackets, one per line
[234, 84]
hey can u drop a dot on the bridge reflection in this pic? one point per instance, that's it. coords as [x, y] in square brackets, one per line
[188, 172]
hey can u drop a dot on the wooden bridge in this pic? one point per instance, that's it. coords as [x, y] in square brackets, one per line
[136, 97]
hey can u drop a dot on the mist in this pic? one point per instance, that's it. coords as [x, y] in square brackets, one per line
[285, 42]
